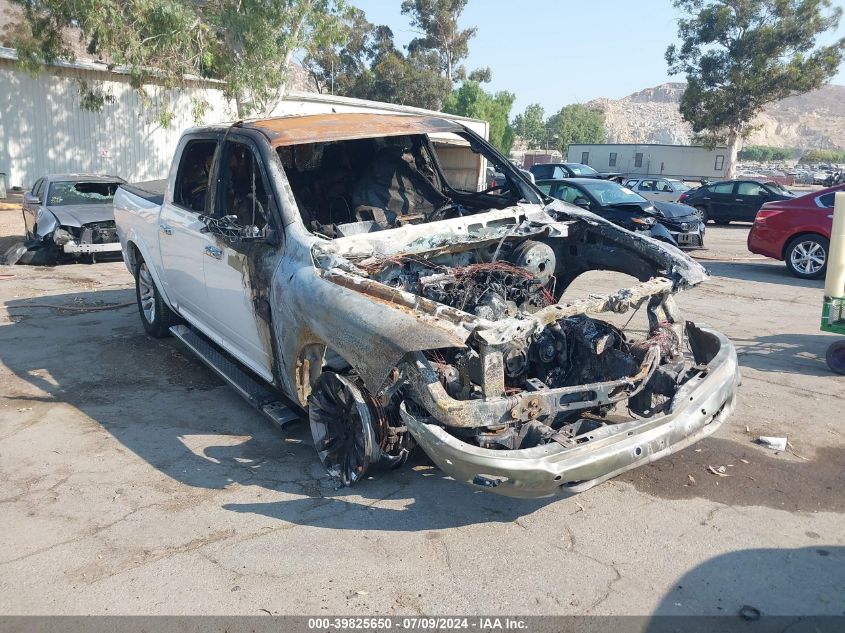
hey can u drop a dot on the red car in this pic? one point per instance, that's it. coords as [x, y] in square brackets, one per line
[796, 231]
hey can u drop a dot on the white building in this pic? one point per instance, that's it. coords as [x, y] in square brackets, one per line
[43, 130]
[675, 161]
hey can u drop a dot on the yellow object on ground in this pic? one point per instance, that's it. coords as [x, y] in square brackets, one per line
[834, 285]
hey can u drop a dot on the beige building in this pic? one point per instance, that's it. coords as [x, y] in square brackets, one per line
[674, 161]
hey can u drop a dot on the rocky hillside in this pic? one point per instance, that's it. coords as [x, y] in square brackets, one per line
[811, 121]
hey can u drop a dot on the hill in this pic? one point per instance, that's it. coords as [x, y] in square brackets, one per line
[815, 120]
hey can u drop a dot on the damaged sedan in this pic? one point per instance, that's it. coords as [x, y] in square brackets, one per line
[67, 216]
[359, 268]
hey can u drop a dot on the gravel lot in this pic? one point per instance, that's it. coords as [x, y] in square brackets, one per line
[135, 482]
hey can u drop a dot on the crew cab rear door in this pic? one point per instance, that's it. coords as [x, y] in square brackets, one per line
[180, 230]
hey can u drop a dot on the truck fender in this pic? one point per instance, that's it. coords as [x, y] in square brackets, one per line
[133, 246]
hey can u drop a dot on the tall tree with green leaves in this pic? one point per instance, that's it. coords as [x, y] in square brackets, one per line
[437, 24]
[530, 126]
[739, 55]
[471, 100]
[248, 44]
[576, 123]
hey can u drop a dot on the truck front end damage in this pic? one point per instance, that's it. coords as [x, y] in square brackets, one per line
[534, 393]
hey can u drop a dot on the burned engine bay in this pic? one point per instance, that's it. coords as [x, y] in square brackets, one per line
[539, 369]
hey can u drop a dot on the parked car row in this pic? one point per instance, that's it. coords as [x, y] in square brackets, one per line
[671, 222]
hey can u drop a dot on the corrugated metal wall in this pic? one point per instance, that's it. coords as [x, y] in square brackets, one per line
[43, 129]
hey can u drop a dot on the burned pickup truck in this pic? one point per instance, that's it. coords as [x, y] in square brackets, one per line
[357, 266]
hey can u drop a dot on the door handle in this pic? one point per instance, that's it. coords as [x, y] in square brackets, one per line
[165, 229]
[213, 251]
[738, 200]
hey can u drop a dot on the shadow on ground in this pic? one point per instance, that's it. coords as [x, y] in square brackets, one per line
[779, 583]
[170, 410]
[802, 354]
[769, 271]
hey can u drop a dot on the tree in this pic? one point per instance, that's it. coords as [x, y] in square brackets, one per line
[471, 100]
[437, 23]
[248, 44]
[764, 153]
[577, 123]
[739, 55]
[530, 126]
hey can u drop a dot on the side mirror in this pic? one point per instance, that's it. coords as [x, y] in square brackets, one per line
[31, 198]
[229, 228]
[582, 202]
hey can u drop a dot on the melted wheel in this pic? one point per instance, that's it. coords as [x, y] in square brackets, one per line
[342, 428]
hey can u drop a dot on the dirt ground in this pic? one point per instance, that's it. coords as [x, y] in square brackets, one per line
[135, 482]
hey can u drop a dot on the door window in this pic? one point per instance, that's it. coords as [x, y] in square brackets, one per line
[664, 187]
[38, 187]
[192, 180]
[750, 189]
[724, 187]
[648, 185]
[631, 183]
[559, 173]
[243, 188]
[827, 200]
[567, 193]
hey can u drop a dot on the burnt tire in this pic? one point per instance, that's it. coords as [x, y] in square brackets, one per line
[806, 256]
[342, 428]
[703, 215]
[156, 315]
[835, 357]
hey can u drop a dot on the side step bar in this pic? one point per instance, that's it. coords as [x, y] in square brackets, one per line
[229, 370]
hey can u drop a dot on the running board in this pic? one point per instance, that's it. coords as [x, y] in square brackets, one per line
[230, 370]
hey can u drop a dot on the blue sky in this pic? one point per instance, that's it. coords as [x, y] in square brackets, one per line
[556, 52]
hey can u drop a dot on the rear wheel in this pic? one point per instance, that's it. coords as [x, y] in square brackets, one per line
[702, 214]
[835, 357]
[806, 256]
[156, 316]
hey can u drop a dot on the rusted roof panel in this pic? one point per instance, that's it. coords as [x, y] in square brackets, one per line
[316, 128]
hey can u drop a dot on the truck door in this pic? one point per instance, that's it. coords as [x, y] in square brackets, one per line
[180, 236]
[232, 306]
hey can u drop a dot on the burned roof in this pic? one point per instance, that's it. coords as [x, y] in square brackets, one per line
[316, 128]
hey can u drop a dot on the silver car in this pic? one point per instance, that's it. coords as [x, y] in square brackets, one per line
[657, 189]
[70, 214]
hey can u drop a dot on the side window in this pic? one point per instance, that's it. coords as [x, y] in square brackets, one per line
[826, 200]
[567, 194]
[749, 189]
[545, 187]
[192, 180]
[720, 163]
[38, 187]
[648, 185]
[638, 159]
[243, 189]
[664, 186]
[631, 183]
[559, 173]
[611, 161]
[724, 187]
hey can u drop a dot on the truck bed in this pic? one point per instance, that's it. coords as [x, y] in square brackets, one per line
[151, 190]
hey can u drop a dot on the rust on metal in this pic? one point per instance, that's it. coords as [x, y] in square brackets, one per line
[346, 126]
